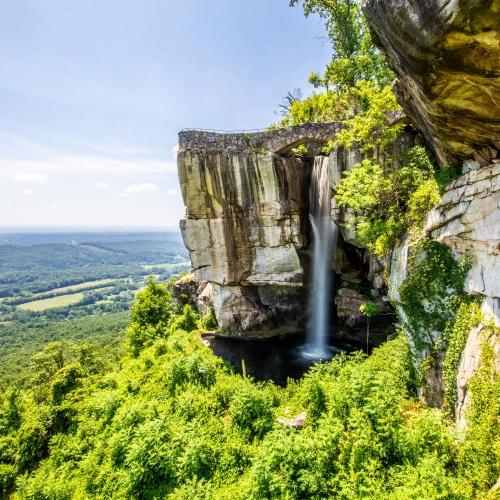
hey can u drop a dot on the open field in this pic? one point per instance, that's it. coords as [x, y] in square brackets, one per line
[86, 285]
[53, 302]
[165, 266]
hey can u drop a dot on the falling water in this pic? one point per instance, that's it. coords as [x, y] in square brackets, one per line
[324, 243]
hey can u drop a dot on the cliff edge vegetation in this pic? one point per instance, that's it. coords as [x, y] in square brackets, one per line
[172, 421]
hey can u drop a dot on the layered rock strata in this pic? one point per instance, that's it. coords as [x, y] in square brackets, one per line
[245, 227]
[446, 57]
[467, 220]
[248, 233]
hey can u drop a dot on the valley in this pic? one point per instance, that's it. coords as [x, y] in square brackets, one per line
[74, 287]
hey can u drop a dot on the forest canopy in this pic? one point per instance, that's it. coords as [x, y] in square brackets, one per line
[171, 420]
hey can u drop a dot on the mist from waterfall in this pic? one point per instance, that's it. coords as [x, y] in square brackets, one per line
[324, 246]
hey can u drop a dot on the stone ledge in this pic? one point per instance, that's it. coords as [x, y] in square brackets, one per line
[272, 140]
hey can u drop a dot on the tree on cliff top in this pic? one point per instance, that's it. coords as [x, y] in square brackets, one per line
[355, 86]
[354, 57]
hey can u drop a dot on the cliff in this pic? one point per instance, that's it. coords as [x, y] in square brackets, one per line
[248, 232]
[246, 194]
[446, 56]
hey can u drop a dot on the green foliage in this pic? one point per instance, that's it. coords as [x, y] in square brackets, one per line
[369, 309]
[480, 454]
[432, 293]
[326, 106]
[355, 85]
[354, 55]
[19, 342]
[187, 321]
[208, 321]
[150, 316]
[173, 421]
[386, 202]
[369, 126]
[454, 339]
[152, 307]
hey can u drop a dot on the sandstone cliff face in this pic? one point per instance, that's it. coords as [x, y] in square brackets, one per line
[446, 57]
[467, 220]
[245, 229]
[248, 232]
[246, 225]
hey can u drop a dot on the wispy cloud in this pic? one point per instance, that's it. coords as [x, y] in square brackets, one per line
[83, 166]
[24, 160]
[28, 192]
[101, 185]
[31, 177]
[145, 187]
[172, 192]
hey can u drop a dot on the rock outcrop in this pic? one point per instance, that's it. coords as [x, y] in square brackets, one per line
[467, 220]
[246, 225]
[248, 233]
[446, 57]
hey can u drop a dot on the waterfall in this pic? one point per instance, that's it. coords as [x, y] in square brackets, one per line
[324, 243]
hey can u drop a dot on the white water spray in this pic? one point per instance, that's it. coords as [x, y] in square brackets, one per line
[324, 246]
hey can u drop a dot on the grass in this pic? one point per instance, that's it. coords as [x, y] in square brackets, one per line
[80, 286]
[165, 266]
[53, 302]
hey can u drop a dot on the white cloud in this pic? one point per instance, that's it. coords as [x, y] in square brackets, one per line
[28, 192]
[175, 150]
[146, 187]
[32, 177]
[172, 192]
[101, 185]
[85, 166]
[37, 162]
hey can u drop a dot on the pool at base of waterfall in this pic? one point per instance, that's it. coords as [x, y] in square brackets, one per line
[276, 359]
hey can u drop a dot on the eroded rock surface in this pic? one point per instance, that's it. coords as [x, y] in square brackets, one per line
[246, 225]
[248, 233]
[467, 220]
[469, 363]
[446, 57]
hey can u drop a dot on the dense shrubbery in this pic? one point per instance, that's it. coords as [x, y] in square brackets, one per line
[174, 422]
[387, 200]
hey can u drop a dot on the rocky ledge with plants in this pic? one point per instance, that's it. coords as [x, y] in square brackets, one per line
[417, 200]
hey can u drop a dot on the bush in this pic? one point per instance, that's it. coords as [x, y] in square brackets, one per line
[387, 202]
[174, 422]
[150, 316]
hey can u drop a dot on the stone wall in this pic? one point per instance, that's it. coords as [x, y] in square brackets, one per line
[272, 140]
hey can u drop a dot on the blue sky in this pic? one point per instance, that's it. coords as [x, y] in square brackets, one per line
[93, 93]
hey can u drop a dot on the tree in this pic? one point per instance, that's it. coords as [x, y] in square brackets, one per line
[152, 307]
[368, 309]
[287, 101]
[354, 57]
[150, 315]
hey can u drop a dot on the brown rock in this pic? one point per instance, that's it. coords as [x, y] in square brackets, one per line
[446, 55]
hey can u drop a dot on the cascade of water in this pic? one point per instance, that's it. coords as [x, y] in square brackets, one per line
[324, 243]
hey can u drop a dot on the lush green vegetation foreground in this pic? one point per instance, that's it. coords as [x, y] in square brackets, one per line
[171, 421]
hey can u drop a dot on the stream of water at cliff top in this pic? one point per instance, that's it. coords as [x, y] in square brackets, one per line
[324, 243]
